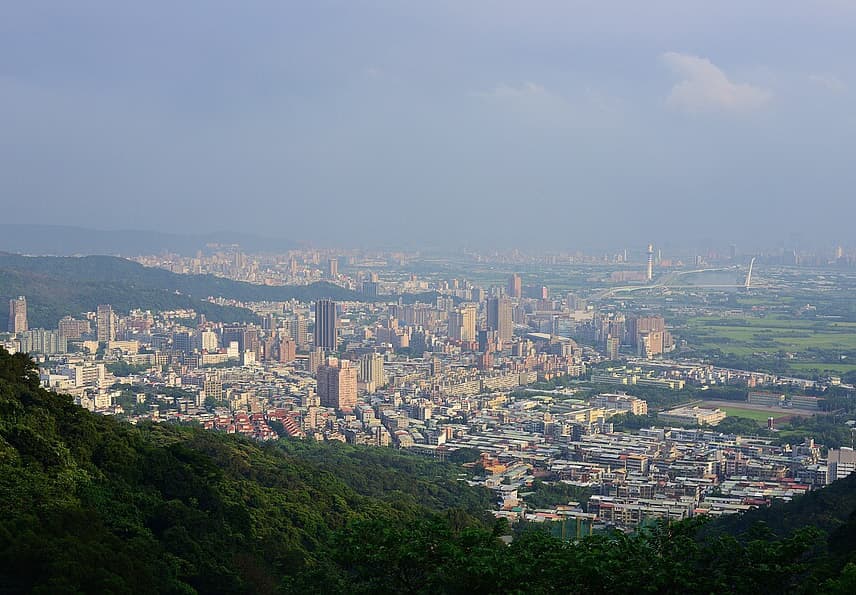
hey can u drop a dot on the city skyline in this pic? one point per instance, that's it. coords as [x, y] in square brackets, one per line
[428, 297]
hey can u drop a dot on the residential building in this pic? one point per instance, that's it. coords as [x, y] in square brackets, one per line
[462, 324]
[499, 318]
[337, 384]
[371, 370]
[18, 315]
[105, 323]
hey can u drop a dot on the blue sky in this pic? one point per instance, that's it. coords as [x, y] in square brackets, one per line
[505, 124]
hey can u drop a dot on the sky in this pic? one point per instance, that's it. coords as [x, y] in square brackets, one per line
[504, 124]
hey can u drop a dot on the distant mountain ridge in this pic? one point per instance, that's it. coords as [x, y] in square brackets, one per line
[64, 240]
[60, 286]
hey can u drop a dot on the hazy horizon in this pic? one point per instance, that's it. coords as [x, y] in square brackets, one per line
[559, 125]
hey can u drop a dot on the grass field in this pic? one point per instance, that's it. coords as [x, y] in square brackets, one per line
[839, 368]
[750, 413]
[747, 335]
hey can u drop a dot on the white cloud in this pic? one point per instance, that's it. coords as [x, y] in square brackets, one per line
[529, 99]
[534, 104]
[828, 81]
[524, 90]
[705, 87]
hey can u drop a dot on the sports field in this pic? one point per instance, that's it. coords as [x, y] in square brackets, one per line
[758, 413]
[750, 413]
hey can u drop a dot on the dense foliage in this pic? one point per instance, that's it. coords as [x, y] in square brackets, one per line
[548, 494]
[89, 504]
[121, 368]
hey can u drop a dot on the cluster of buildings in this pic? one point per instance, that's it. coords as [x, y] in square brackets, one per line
[771, 399]
[643, 336]
[435, 377]
[657, 473]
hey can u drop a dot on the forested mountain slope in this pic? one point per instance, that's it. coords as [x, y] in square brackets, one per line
[90, 504]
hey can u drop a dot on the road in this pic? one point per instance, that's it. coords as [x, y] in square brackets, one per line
[668, 280]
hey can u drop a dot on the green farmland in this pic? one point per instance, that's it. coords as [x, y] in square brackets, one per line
[804, 346]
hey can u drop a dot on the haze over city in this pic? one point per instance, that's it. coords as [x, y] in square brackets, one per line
[554, 125]
[435, 297]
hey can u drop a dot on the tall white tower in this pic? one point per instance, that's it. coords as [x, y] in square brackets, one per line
[650, 272]
[749, 275]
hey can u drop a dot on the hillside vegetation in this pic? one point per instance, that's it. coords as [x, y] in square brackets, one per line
[90, 504]
[60, 286]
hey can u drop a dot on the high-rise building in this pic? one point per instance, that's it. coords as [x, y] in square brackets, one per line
[515, 286]
[297, 328]
[649, 344]
[71, 328]
[105, 323]
[371, 369]
[233, 334]
[182, 341]
[316, 360]
[337, 385]
[208, 341]
[213, 385]
[462, 324]
[18, 315]
[332, 268]
[612, 345]
[371, 288]
[251, 340]
[636, 327]
[287, 350]
[42, 341]
[499, 318]
[326, 325]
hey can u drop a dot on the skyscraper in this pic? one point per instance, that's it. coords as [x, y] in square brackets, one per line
[326, 325]
[333, 268]
[105, 323]
[499, 318]
[18, 315]
[462, 324]
[515, 286]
